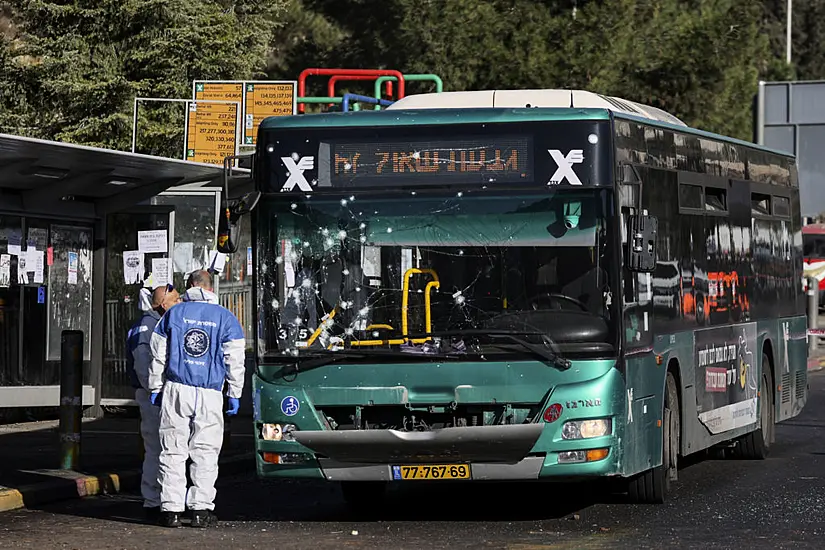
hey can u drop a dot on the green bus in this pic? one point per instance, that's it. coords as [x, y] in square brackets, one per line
[519, 285]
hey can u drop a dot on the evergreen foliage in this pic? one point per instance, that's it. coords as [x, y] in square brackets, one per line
[69, 69]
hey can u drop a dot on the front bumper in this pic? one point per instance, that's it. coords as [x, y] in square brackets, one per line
[506, 444]
[528, 468]
[511, 452]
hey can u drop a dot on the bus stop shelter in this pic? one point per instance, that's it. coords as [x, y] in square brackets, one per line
[57, 203]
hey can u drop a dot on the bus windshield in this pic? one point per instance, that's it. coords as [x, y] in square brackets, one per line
[367, 271]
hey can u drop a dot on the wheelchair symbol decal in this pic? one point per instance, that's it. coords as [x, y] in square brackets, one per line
[290, 405]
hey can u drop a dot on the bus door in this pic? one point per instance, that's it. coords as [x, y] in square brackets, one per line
[642, 385]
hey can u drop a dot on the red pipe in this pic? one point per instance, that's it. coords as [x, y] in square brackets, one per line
[345, 78]
[346, 72]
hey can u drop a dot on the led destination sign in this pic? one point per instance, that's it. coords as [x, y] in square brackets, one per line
[497, 159]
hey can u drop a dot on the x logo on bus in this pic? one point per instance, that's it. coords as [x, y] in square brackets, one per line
[565, 166]
[296, 166]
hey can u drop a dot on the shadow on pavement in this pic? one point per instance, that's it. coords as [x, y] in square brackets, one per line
[245, 498]
[489, 502]
[107, 445]
[289, 501]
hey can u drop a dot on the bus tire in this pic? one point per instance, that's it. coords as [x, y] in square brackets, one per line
[364, 495]
[757, 444]
[652, 486]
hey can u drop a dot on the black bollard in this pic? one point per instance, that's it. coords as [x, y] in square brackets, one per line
[71, 397]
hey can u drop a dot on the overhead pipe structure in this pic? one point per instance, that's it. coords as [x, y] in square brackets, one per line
[363, 99]
[318, 100]
[427, 77]
[344, 78]
[345, 72]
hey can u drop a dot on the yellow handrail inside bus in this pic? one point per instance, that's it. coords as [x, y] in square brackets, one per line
[405, 300]
[428, 316]
[362, 343]
[320, 328]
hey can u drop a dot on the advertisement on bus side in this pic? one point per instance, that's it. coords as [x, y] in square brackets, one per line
[727, 379]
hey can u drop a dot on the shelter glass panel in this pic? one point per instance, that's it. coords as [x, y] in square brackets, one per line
[70, 286]
[10, 329]
[194, 237]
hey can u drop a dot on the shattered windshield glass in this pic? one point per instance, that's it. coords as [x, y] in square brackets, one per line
[382, 271]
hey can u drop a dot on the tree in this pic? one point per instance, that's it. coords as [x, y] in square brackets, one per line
[80, 63]
[699, 59]
[807, 39]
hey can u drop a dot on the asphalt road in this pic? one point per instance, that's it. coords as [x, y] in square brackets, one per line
[717, 503]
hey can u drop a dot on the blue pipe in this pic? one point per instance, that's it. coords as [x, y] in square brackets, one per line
[363, 99]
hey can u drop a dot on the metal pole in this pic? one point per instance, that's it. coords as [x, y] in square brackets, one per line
[788, 34]
[134, 125]
[813, 314]
[760, 113]
[71, 397]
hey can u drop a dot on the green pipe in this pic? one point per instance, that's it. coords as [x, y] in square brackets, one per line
[320, 100]
[439, 84]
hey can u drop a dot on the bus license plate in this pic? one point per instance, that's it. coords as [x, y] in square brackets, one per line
[431, 471]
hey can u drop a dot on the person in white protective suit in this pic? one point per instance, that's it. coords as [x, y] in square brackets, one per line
[197, 347]
[138, 361]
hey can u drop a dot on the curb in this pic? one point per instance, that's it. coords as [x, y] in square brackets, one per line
[69, 485]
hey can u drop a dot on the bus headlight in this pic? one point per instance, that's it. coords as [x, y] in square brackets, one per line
[585, 429]
[278, 432]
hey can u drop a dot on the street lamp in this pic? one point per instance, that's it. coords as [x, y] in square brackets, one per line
[788, 34]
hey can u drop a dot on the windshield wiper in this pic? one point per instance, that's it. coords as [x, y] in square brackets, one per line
[313, 360]
[309, 360]
[544, 352]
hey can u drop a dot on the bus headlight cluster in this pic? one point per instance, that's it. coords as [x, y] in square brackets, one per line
[585, 429]
[278, 432]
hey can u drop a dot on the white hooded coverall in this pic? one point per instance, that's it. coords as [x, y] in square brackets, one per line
[198, 346]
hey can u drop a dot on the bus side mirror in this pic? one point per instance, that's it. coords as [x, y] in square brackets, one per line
[230, 213]
[641, 243]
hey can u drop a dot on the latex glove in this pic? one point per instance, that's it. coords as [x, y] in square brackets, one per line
[234, 405]
[155, 398]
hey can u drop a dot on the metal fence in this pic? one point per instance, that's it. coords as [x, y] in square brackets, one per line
[237, 298]
[116, 384]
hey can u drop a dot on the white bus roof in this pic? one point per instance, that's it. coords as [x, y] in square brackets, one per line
[532, 98]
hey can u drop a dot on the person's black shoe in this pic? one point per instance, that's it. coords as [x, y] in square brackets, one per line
[151, 513]
[169, 519]
[203, 518]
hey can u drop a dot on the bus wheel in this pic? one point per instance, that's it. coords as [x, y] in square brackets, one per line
[652, 486]
[364, 495]
[757, 444]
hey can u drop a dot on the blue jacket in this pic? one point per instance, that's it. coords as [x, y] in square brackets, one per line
[138, 349]
[198, 343]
